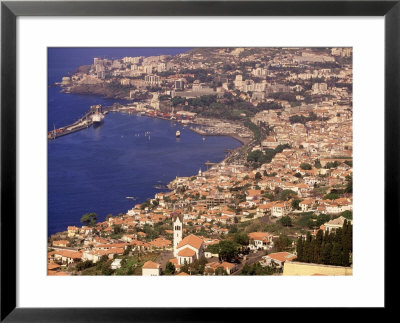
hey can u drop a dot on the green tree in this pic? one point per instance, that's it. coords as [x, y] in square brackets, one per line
[349, 186]
[287, 195]
[317, 163]
[198, 266]
[89, 219]
[345, 261]
[241, 238]
[326, 253]
[334, 164]
[308, 250]
[117, 229]
[299, 249]
[295, 204]
[169, 268]
[305, 166]
[220, 271]
[347, 214]
[347, 233]
[177, 100]
[214, 248]
[281, 148]
[246, 270]
[282, 243]
[84, 265]
[233, 228]
[336, 255]
[227, 250]
[317, 258]
[258, 176]
[105, 267]
[321, 219]
[331, 196]
[286, 221]
[185, 267]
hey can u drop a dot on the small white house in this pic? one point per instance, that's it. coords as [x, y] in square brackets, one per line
[280, 209]
[151, 268]
[277, 259]
[260, 240]
[335, 224]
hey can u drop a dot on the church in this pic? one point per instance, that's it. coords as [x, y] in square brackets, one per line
[189, 248]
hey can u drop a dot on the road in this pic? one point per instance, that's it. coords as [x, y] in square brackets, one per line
[251, 258]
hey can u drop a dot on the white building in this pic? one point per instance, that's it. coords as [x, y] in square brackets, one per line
[277, 259]
[319, 87]
[335, 224]
[260, 240]
[151, 268]
[280, 209]
[238, 81]
[259, 71]
[152, 79]
[177, 220]
[188, 249]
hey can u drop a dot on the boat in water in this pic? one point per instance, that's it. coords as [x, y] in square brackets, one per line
[178, 134]
[97, 118]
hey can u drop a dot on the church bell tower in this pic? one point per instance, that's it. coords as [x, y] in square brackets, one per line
[177, 222]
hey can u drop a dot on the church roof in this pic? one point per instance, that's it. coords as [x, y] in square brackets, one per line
[187, 252]
[191, 240]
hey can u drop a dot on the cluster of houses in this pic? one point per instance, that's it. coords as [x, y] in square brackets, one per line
[202, 208]
[185, 250]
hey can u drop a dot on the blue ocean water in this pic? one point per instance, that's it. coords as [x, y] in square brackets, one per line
[94, 170]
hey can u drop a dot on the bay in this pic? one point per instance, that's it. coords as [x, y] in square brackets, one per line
[96, 169]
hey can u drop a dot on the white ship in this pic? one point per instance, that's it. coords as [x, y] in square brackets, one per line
[97, 118]
[178, 134]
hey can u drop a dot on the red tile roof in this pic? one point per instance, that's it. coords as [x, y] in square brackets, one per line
[151, 265]
[187, 252]
[191, 240]
[281, 256]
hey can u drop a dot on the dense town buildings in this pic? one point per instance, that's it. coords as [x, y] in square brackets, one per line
[290, 181]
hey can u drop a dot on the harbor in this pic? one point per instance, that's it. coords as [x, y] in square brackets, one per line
[202, 126]
[94, 116]
[96, 169]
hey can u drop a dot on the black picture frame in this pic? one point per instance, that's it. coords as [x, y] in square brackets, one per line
[10, 10]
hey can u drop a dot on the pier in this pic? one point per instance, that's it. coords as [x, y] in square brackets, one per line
[84, 122]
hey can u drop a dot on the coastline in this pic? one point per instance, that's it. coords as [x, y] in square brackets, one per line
[126, 111]
[232, 135]
[279, 168]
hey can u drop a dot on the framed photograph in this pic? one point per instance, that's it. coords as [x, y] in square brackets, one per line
[251, 146]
